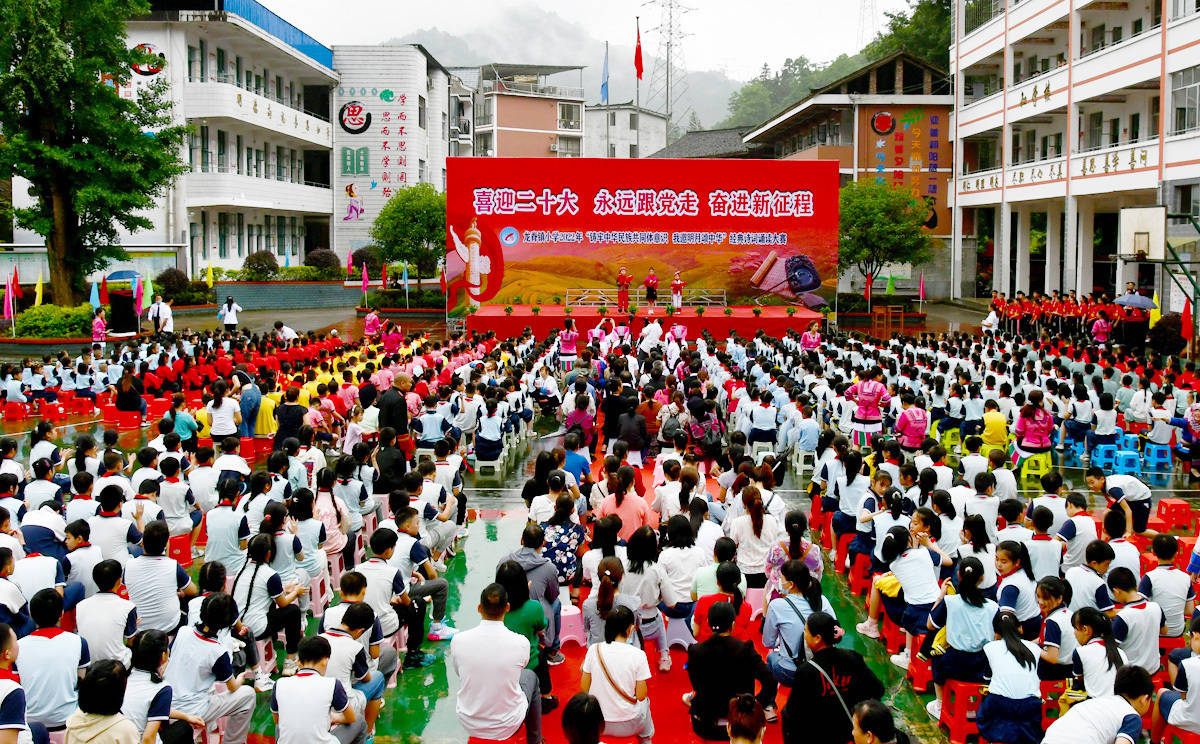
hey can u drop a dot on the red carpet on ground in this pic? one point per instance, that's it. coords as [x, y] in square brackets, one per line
[773, 319]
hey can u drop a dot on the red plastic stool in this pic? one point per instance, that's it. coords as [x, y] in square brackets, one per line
[82, 405]
[959, 702]
[179, 547]
[894, 636]
[517, 738]
[1175, 512]
[248, 449]
[15, 411]
[1148, 562]
[1171, 733]
[826, 530]
[156, 408]
[128, 420]
[1157, 524]
[860, 575]
[1187, 546]
[843, 550]
[202, 536]
[920, 671]
[52, 411]
[66, 396]
[204, 442]
[264, 445]
[1051, 691]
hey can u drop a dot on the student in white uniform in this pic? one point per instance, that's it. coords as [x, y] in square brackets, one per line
[148, 698]
[156, 582]
[111, 532]
[267, 604]
[1113, 719]
[1012, 709]
[1088, 588]
[50, 662]
[1096, 658]
[1138, 623]
[311, 707]
[198, 661]
[1175, 706]
[106, 620]
[1077, 532]
[1058, 635]
[1016, 590]
[1169, 588]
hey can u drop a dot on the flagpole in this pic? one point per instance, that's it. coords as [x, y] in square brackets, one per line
[607, 143]
[638, 133]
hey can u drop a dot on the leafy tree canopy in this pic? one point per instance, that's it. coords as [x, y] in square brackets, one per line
[923, 30]
[880, 225]
[411, 227]
[95, 161]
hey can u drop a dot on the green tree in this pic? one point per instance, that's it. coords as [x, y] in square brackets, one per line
[770, 92]
[95, 161]
[411, 227]
[880, 225]
[923, 30]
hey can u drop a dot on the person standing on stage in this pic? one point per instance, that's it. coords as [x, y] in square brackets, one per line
[651, 284]
[624, 279]
[677, 286]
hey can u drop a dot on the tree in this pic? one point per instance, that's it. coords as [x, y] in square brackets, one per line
[411, 227]
[769, 93]
[693, 122]
[95, 161]
[880, 225]
[924, 31]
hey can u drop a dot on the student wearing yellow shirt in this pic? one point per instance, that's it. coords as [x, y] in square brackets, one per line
[995, 427]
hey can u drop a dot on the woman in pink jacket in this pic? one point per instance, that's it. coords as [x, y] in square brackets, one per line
[871, 395]
[911, 425]
[1033, 430]
[810, 340]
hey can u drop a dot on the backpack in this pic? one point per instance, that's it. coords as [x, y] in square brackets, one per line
[670, 428]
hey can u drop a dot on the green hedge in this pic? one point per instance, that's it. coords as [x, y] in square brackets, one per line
[52, 321]
[394, 298]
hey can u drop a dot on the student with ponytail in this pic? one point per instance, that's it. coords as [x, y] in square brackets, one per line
[1011, 712]
[267, 605]
[632, 509]
[754, 532]
[147, 703]
[227, 528]
[881, 513]
[335, 516]
[967, 618]
[977, 545]
[848, 488]
[1096, 658]
[254, 503]
[1016, 590]
[792, 546]
[786, 616]
[1058, 635]
[605, 596]
[729, 579]
[705, 532]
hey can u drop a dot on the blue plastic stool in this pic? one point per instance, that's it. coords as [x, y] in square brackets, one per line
[1104, 455]
[1127, 463]
[1131, 442]
[1157, 456]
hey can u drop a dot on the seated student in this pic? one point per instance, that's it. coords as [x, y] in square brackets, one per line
[14, 610]
[704, 581]
[413, 559]
[227, 529]
[51, 660]
[1169, 588]
[147, 702]
[1097, 657]
[198, 661]
[967, 617]
[112, 532]
[881, 509]
[728, 578]
[1115, 718]
[1088, 588]
[1125, 553]
[349, 662]
[10, 500]
[1011, 711]
[314, 706]
[972, 463]
[1058, 635]
[147, 468]
[82, 505]
[42, 488]
[203, 479]
[984, 503]
[146, 501]
[268, 604]
[177, 502]
[1125, 491]
[44, 530]
[721, 668]
[35, 572]
[384, 585]
[1045, 553]
[617, 673]
[1175, 707]
[785, 618]
[380, 656]
[1017, 591]
[106, 621]
[1078, 532]
[1010, 512]
[1051, 499]
[1138, 622]
[81, 557]
[156, 581]
[98, 718]
[230, 464]
[976, 544]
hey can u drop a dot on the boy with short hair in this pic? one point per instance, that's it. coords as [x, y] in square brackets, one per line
[1125, 491]
[1139, 623]
[1010, 511]
[1169, 587]
[1045, 553]
[203, 479]
[106, 620]
[51, 661]
[1088, 588]
[82, 557]
[156, 581]
[984, 503]
[1126, 554]
[353, 589]
[1051, 499]
[1115, 719]
[1077, 532]
[1006, 481]
[387, 593]
[972, 463]
[312, 707]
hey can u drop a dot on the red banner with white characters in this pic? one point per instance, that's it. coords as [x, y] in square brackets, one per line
[526, 230]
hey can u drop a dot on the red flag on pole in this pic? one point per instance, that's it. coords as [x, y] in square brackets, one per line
[867, 289]
[443, 281]
[104, 290]
[384, 277]
[16, 284]
[637, 53]
[921, 287]
[1186, 319]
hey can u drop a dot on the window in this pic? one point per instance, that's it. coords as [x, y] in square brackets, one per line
[258, 84]
[1030, 145]
[443, 179]
[249, 85]
[570, 116]
[193, 63]
[237, 70]
[1117, 33]
[633, 151]
[1137, 27]
[1114, 131]
[1095, 130]
[270, 229]
[222, 235]
[1187, 201]
[194, 239]
[193, 150]
[293, 236]
[445, 126]
[568, 147]
[204, 164]
[220, 64]
[612, 118]
[1154, 122]
[203, 235]
[1185, 98]
[421, 111]
[281, 234]
[1097, 38]
[633, 122]
[241, 236]
[279, 89]
[222, 154]
[237, 155]
[1058, 144]
[259, 157]
[203, 60]
[1135, 127]
[612, 150]
[420, 171]
[280, 164]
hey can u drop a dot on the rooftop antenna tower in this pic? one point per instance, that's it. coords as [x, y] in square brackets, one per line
[668, 78]
[867, 23]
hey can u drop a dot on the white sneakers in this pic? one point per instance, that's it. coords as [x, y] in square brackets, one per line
[901, 659]
[868, 628]
[934, 709]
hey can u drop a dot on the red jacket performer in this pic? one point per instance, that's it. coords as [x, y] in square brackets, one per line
[651, 284]
[624, 279]
[677, 286]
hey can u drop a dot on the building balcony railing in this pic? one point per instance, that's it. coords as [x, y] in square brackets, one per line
[264, 92]
[532, 89]
[269, 174]
[483, 120]
[570, 125]
[215, 99]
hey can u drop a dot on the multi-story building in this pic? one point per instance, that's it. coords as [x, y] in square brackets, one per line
[520, 111]
[392, 129]
[623, 130]
[887, 122]
[1067, 111]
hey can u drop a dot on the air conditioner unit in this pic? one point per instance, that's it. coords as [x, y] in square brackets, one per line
[553, 147]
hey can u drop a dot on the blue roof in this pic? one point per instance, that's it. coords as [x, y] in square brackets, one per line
[268, 21]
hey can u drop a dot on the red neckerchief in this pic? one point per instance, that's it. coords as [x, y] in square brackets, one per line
[1041, 537]
[103, 513]
[84, 544]
[10, 674]
[81, 497]
[1097, 641]
[1137, 605]
[172, 479]
[307, 673]
[142, 497]
[48, 632]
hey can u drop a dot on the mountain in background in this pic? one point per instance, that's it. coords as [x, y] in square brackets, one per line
[563, 42]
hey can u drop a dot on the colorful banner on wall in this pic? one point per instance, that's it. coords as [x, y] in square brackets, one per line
[909, 147]
[527, 230]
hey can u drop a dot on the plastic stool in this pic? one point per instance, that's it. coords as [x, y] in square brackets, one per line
[52, 411]
[319, 595]
[860, 575]
[1156, 524]
[951, 440]
[60, 737]
[337, 567]
[179, 547]
[679, 632]
[1052, 690]
[82, 406]
[571, 628]
[369, 523]
[15, 411]
[248, 448]
[128, 420]
[423, 453]
[1187, 546]
[920, 671]
[1175, 512]
[1147, 562]
[843, 551]
[517, 738]
[1103, 455]
[267, 663]
[894, 637]
[756, 597]
[1036, 466]
[1171, 733]
[264, 445]
[1157, 456]
[1127, 462]
[156, 408]
[495, 467]
[959, 702]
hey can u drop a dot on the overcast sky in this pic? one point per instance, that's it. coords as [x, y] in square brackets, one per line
[736, 37]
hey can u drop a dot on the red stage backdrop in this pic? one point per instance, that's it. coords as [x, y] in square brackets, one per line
[525, 230]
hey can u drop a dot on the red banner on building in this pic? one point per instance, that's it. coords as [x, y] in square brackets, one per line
[526, 230]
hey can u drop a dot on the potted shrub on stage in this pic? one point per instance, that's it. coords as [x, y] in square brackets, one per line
[700, 311]
[508, 309]
[791, 310]
[536, 309]
[728, 311]
[757, 310]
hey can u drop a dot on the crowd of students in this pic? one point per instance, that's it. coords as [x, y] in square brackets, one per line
[660, 507]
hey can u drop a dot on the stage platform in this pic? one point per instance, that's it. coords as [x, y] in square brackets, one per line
[774, 320]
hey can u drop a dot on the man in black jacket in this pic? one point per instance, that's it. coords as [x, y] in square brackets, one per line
[393, 405]
[831, 683]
